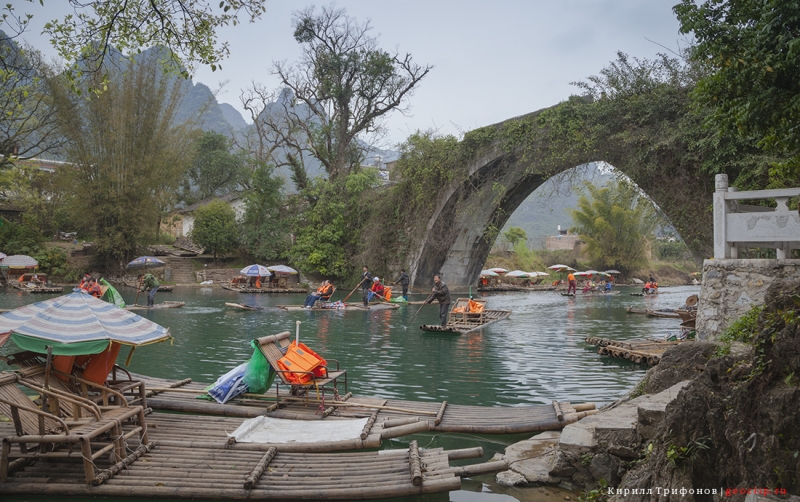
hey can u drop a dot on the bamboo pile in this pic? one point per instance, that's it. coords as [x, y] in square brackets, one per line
[183, 472]
[638, 351]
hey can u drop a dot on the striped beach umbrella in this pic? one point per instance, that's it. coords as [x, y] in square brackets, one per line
[77, 324]
[19, 261]
[518, 274]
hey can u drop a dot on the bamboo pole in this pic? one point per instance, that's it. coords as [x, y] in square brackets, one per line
[440, 414]
[368, 425]
[414, 463]
[255, 474]
[105, 474]
[559, 413]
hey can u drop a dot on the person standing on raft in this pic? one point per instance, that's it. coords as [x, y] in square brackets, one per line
[366, 284]
[573, 284]
[403, 281]
[442, 293]
[149, 282]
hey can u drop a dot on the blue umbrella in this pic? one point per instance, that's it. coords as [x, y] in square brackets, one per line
[144, 261]
[255, 271]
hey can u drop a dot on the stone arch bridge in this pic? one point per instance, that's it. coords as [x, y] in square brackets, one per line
[468, 215]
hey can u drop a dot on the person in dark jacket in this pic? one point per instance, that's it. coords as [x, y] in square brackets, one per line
[366, 284]
[403, 281]
[441, 293]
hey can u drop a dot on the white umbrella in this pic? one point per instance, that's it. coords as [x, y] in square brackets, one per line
[498, 270]
[582, 274]
[518, 274]
[613, 272]
[2, 256]
[561, 268]
[540, 273]
[255, 271]
[488, 273]
[282, 269]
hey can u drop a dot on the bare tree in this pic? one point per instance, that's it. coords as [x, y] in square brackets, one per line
[335, 96]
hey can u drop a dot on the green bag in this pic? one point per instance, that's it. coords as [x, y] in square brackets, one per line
[259, 374]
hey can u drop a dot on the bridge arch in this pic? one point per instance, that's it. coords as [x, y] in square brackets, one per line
[468, 215]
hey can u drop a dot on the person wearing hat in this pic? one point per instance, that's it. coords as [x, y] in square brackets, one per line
[377, 288]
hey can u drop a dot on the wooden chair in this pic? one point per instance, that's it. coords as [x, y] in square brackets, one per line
[466, 317]
[53, 430]
[274, 347]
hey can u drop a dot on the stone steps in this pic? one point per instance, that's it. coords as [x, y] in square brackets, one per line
[180, 270]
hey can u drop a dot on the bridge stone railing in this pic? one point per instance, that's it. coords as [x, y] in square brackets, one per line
[744, 226]
[731, 286]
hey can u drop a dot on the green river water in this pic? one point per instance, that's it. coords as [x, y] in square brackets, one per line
[535, 356]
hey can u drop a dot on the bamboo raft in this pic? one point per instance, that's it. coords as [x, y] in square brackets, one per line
[467, 324]
[242, 306]
[347, 307]
[589, 294]
[399, 416]
[263, 290]
[637, 351]
[190, 472]
[157, 306]
[39, 289]
[663, 313]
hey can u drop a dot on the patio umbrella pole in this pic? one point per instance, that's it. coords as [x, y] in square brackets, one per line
[139, 286]
[47, 376]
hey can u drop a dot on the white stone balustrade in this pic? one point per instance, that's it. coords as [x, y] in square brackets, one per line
[745, 226]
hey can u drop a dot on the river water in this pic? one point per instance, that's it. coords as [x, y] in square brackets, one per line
[534, 357]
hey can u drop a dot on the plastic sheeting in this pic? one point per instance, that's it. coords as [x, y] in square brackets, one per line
[275, 430]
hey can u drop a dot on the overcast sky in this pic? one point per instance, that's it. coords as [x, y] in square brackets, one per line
[492, 60]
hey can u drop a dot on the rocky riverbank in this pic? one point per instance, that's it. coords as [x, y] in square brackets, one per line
[707, 423]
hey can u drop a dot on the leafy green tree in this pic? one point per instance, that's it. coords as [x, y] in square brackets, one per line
[329, 232]
[514, 235]
[214, 170]
[615, 222]
[188, 28]
[215, 227]
[338, 93]
[266, 222]
[129, 156]
[18, 238]
[750, 51]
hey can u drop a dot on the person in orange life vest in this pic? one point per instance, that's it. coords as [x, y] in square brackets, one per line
[573, 284]
[376, 289]
[646, 288]
[323, 291]
[94, 289]
[258, 282]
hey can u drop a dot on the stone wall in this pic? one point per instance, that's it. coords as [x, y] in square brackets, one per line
[731, 287]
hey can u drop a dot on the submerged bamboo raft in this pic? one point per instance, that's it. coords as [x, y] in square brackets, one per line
[39, 289]
[399, 416]
[347, 307]
[638, 351]
[157, 306]
[186, 472]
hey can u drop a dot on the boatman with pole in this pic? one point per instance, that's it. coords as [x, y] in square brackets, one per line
[442, 293]
[366, 285]
[403, 281]
[149, 282]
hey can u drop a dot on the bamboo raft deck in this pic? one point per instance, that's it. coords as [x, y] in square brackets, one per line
[39, 289]
[467, 324]
[590, 294]
[190, 472]
[242, 306]
[157, 306]
[264, 290]
[638, 351]
[397, 416]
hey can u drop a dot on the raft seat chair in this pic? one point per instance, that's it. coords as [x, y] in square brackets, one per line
[461, 313]
[89, 433]
[326, 298]
[274, 348]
